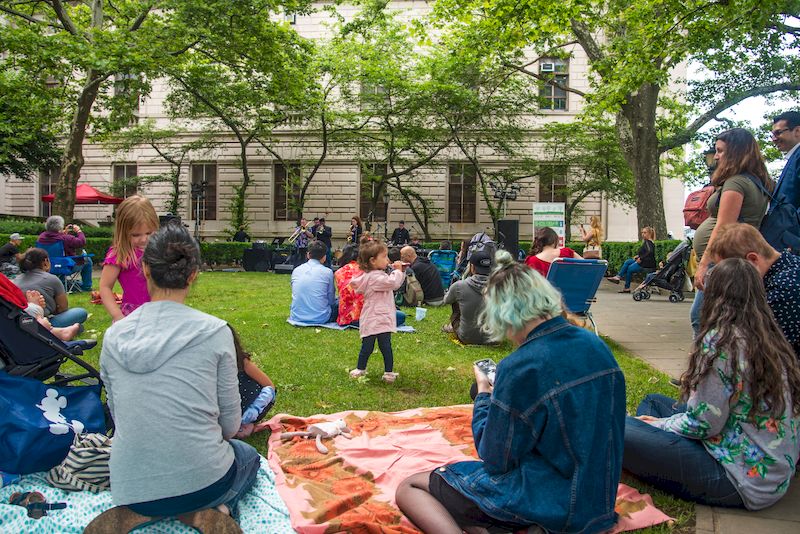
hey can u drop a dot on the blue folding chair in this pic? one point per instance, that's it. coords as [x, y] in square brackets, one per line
[63, 266]
[445, 263]
[578, 281]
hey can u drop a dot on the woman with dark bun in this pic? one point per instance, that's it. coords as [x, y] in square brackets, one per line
[171, 381]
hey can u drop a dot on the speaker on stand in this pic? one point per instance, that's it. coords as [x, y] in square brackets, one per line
[508, 236]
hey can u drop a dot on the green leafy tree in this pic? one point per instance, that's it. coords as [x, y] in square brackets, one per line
[748, 47]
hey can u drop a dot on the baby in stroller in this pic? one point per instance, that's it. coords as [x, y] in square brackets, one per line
[671, 275]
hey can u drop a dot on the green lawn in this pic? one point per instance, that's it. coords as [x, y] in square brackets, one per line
[309, 366]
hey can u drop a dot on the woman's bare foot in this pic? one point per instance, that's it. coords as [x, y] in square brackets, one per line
[67, 333]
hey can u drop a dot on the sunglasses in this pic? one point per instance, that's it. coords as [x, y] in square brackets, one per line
[777, 133]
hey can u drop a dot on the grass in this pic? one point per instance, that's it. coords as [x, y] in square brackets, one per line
[309, 366]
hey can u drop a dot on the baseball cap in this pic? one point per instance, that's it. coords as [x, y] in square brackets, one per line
[15, 237]
[481, 262]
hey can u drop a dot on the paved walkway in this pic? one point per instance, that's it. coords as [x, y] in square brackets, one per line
[658, 331]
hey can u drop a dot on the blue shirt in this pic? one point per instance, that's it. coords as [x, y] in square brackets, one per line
[550, 436]
[313, 293]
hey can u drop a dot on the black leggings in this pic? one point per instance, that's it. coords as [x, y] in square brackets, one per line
[384, 343]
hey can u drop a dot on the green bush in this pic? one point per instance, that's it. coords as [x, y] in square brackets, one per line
[33, 227]
[223, 252]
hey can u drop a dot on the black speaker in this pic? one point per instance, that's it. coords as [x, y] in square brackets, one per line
[256, 259]
[284, 268]
[508, 236]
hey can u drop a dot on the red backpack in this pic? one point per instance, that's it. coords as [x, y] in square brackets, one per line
[694, 209]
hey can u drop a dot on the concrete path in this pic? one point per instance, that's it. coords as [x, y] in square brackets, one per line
[659, 332]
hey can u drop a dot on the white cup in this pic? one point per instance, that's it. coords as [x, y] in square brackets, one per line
[421, 312]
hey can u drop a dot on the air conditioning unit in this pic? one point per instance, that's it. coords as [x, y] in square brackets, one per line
[548, 67]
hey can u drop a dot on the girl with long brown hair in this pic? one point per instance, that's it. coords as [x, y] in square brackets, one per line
[545, 249]
[736, 198]
[734, 442]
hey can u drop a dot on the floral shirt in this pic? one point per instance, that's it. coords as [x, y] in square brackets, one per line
[759, 456]
[350, 302]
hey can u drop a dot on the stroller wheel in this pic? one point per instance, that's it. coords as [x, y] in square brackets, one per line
[645, 295]
[637, 296]
[673, 298]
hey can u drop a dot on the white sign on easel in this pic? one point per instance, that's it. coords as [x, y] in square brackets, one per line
[552, 214]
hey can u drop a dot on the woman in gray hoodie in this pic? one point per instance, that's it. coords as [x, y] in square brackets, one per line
[171, 382]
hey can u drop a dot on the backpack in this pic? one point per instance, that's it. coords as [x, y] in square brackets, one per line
[694, 209]
[483, 242]
[412, 293]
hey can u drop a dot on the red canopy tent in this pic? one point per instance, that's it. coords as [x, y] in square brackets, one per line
[86, 194]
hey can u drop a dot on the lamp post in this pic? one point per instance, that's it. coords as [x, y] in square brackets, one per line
[504, 191]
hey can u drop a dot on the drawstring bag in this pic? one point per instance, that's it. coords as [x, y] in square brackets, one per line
[39, 421]
[86, 466]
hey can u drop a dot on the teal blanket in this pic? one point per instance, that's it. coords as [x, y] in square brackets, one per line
[261, 510]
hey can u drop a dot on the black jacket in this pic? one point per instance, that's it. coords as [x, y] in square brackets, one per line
[429, 279]
[400, 236]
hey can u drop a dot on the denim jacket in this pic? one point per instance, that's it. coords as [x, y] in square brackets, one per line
[550, 435]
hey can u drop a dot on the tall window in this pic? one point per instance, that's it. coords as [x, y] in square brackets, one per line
[370, 95]
[462, 197]
[204, 191]
[47, 186]
[123, 174]
[552, 182]
[287, 188]
[552, 96]
[373, 189]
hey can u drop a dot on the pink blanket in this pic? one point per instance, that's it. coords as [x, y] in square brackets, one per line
[352, 488]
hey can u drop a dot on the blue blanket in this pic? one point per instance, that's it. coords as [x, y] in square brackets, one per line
[336, 326]
[261, 510]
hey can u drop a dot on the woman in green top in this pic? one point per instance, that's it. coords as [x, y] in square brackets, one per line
[736, 198]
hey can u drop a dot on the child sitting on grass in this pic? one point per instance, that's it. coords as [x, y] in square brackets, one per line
[255, 388]
[378, 316]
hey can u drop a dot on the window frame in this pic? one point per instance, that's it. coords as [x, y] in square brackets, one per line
[281, 190]
[126, 166]
[547, 190]
[381, 214]
[48, 178]
[550, 94]
[464, 215]
[210, 201]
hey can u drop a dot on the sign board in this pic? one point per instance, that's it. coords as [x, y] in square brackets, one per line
[550, 214]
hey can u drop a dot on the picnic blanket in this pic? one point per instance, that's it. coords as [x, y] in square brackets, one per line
[352, 487]
[333, 325]
[261, 510]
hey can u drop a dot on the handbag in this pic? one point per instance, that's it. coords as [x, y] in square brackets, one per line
[39, 421]
[592, 252]
[86, 466]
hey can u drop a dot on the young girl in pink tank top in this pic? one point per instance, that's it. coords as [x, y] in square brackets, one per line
[135, 221]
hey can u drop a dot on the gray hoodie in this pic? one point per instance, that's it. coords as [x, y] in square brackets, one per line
[469, 297]
[171, 382]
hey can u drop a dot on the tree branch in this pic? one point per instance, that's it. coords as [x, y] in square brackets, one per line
[549, 81]
[66, 21]
[586, 41]
[140, 19]
[686, 135]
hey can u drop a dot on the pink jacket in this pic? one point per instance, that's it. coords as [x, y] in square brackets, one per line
[378, 314]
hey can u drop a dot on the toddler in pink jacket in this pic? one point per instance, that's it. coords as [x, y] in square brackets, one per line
[378, 318]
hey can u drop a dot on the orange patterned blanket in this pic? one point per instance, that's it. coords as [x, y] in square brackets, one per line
[351, 489]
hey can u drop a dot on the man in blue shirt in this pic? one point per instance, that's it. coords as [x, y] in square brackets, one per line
[313, 289]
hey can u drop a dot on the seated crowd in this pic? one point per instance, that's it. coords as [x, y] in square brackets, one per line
[550, 429]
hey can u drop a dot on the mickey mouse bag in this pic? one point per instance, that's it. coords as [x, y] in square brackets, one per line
[38, 421]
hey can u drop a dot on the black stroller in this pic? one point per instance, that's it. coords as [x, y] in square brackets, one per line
[29, 349]
[671, 276]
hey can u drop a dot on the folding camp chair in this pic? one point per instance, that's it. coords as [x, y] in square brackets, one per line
[63, 266]
[578, 281]
[445, 263]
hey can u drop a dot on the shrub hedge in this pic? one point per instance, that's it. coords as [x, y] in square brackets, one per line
[29, 227]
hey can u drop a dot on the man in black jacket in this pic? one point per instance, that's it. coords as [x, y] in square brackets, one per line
[427, 274]
[400, 235]
[324, 233]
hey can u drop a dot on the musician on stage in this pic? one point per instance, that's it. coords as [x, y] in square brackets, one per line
[400, 235]
[301, 242]
[323, 233]
[356, 231]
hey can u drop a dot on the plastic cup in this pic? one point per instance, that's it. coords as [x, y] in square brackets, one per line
[421, 312]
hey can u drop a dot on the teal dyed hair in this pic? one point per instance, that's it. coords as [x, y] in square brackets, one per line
[516, 295]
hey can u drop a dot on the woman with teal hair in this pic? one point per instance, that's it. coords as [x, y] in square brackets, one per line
[549, 431]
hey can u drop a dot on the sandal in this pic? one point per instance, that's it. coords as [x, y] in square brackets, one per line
[390, 377]
[355, 373]
[117, 519]
[35, 503]
[624, 290]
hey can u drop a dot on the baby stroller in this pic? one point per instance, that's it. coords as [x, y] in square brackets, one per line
[671, 276]
[29, 349]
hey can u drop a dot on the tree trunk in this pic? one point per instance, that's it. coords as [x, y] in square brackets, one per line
[72, 162]
[238, 206]
[636, 130]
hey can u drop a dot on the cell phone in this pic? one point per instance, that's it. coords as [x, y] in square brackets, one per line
[487, 367]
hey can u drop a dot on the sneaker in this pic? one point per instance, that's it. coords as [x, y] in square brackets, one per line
[614, 279]
[447, 329]
[355, 373]
[390, 377]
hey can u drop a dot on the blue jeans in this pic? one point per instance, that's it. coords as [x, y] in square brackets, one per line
[86, 274]
[694, 314]
[247, 463]
[628, 269]
[674, 463]
[69, 317]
